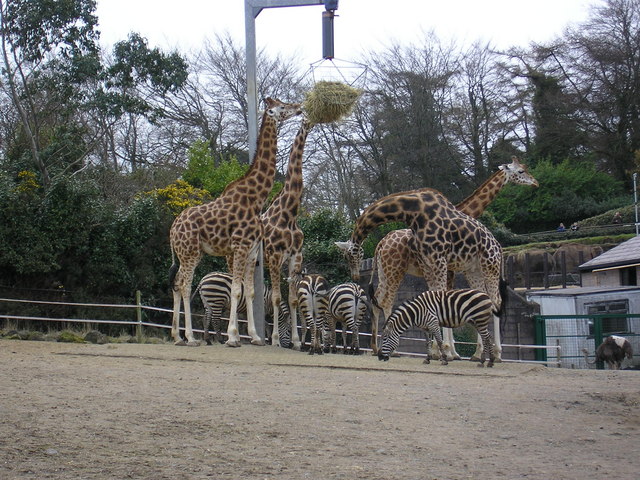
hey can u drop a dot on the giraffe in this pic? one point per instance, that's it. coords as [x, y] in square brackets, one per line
[282, 237]
[394, 258]
[445, 239]
[228, 226]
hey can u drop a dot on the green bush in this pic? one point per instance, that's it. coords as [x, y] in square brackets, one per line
[568, 192]
[321, 229]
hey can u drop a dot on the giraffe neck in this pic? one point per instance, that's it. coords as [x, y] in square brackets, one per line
[292, 190]
[476, 203]
[258, 181]
[396, 208]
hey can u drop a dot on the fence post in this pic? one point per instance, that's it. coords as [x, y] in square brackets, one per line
[139, 316]
[510, 277]
[597, 336]
[541, 338]
[545, 265]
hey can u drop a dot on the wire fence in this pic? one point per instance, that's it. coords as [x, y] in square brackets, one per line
[413, 346]
[575, 334]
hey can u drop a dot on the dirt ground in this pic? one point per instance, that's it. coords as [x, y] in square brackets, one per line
[116, 411]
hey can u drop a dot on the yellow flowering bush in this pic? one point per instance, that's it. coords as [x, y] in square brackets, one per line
[179, 195]
[27, 182]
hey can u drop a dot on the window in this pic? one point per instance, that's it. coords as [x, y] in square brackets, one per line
[628, 276]
[612, 325]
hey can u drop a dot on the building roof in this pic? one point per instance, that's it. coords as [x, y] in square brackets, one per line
[580, 291]
[625, 254]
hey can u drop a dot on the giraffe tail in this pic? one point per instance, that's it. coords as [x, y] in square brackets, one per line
[500, 312]
[371, 290]
[173, 270]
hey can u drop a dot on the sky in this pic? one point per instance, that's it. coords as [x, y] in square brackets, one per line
[360, 25]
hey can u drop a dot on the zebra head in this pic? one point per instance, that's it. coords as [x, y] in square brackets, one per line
[390, 341]
[354, 255]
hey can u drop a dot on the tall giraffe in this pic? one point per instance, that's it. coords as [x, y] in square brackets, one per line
[394, 258]
[228, 226]
[444, 237]
[282, 237]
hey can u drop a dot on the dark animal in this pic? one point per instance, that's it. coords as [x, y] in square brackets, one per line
[612, 351]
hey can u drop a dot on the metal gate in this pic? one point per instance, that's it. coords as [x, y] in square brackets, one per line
[573, 333]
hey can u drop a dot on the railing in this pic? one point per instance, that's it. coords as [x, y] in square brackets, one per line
[575, 333]
[138, 323]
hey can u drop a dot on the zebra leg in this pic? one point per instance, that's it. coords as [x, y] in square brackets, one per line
[429, 348]
[434, 328]
[316, 347]
[206, 322]
[478, 355]
[344, 338]
[355, 341]
[329, 336]
[217, 328]
[488, 347]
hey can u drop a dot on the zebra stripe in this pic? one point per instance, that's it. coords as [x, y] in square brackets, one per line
[215, 293]
[440, 308]
[346, 305]
[312, 293]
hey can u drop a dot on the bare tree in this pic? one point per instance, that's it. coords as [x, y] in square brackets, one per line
[598, 64]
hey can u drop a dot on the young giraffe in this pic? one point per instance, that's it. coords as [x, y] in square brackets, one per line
[282, 237]
[229, 225]
[393, 257]
[444, 237]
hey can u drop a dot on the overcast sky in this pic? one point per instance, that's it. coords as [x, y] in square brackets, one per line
[361, 25]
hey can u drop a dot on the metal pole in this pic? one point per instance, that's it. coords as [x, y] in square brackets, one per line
[252, 9]
[139, 316]
[635, 198]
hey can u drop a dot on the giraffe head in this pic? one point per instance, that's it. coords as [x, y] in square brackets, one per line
[281, 111]
[517, 173]
[354, 255]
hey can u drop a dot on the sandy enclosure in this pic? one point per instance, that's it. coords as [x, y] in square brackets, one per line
[117, 411]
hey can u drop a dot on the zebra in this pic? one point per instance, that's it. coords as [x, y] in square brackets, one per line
[312, 293]
[215, 292]
[347, 305]
[440, 308]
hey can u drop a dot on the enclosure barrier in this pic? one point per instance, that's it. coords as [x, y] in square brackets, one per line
[139, 323]
[573, 333]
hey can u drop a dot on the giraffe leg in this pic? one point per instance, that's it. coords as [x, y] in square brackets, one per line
[295, 265]
[449, 345]
[239, 264]
[182, 293]
[391, 271]
[249, 290]
[276, 297]
[233, 336]
[188, 327]
[175, 325]
[434, 271]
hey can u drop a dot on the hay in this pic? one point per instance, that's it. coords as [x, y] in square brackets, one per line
[330, 101]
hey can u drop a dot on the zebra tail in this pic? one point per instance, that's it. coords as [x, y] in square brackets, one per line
[195, 291]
